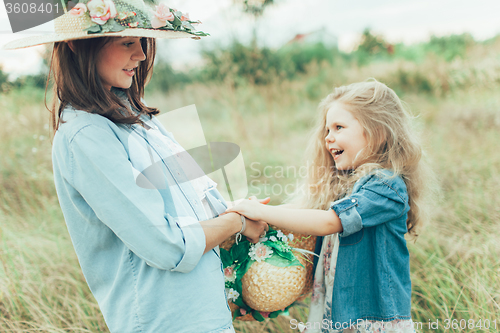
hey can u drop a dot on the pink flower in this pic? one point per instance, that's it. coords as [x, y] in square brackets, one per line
[161, 16]
[265, 314]
[78, 10]
[243, 312]
[185, 17]
[101, 10]
[228, 271]
[260, 252]
[229, 274]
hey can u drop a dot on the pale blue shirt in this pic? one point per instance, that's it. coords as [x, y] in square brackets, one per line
[134, 223]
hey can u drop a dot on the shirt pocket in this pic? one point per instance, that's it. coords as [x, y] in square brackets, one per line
[352, 239]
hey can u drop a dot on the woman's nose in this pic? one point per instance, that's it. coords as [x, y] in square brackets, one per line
[330, 138]
[138, 55]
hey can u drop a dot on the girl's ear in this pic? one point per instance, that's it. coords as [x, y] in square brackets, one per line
[71, 45]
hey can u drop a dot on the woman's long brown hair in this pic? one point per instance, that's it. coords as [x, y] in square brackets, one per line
[77, 82]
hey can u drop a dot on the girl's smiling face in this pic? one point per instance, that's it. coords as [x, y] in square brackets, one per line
[117, 61]
[345, 137]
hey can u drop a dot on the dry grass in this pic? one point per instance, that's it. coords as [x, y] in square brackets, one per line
[455, 262]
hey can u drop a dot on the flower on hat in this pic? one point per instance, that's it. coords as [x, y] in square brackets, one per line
[185, 17]
[232, 294]
[78, 10]
[259, 252]
[161, 16]
[229, 274]
[101, 10]
[282, 236]
[265, 314]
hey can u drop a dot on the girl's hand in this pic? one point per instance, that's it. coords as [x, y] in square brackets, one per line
[253, 197]
[264, 201]
[251, 208]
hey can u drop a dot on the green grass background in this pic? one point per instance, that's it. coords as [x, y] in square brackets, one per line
[455, 264]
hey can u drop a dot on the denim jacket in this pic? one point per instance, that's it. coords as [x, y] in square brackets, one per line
[372, 278]
[140, 247]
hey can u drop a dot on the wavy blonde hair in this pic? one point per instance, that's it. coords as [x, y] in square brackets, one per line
[392, 144]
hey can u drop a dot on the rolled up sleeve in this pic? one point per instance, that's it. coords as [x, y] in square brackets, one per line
[103, 175]
[375, 202]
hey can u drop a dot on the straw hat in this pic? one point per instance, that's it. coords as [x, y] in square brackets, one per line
[268, 288]
[119, 18]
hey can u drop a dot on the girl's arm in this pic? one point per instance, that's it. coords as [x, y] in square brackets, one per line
[308, 221]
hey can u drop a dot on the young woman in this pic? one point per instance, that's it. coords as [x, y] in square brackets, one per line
[145, 235]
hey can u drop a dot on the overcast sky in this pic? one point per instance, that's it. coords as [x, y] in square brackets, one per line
[406, 21]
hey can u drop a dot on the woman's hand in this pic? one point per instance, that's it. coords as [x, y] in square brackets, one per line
[255, 230]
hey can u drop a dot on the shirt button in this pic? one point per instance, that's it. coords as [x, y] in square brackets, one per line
[353, 200]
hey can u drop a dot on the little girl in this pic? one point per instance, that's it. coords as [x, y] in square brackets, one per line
[364, 193]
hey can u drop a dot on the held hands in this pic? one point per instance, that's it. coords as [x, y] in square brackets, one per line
[250, 208]
[254, 228]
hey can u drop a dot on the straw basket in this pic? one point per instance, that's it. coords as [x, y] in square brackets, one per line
[268, 288]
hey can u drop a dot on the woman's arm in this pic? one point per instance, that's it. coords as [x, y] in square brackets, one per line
[97, 184]
[308, 221]
[220, 228]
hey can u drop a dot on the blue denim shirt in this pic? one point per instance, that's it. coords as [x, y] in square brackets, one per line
[372, 278]
[140, 247]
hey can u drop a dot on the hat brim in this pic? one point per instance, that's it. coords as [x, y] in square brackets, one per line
[136, 32]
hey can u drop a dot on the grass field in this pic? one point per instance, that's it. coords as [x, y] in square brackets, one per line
[455, 263]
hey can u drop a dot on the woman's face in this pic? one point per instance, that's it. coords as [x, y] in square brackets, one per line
[117, 61]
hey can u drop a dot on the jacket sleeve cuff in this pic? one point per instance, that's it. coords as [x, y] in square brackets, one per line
[348, 215]
[194, 243]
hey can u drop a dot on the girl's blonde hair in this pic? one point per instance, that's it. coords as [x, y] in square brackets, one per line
[392, 145]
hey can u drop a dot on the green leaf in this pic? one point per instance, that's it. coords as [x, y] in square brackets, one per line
[187, 25]
[274, 314]
[239, 252]
[168, 26]
[94, 29]
[287, 255]
[241, 269]
[239, 302]
[279, 246]
[279, 261]
[257, 316]
[245, 266]
[226, 257]
[115, 26]
[177, 21]
[199, 33]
